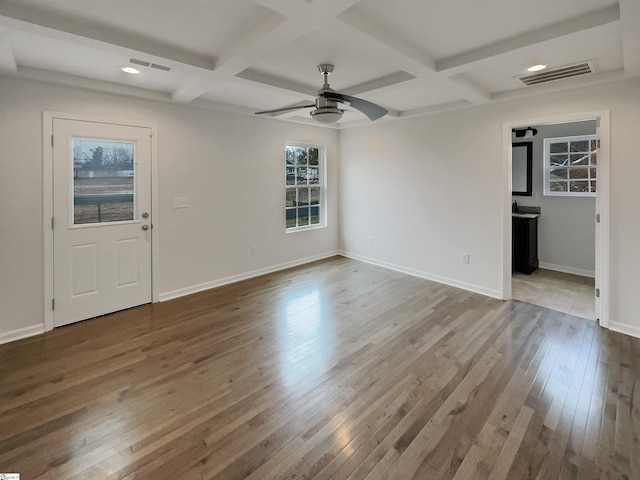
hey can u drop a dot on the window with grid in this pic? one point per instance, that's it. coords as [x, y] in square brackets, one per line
[570, 166]
[304, 197]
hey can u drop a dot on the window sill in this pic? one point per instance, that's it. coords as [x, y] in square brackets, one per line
[304, 229]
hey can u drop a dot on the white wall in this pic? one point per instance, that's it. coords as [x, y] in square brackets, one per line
[566, 227]
[230, 166]
[430, 188]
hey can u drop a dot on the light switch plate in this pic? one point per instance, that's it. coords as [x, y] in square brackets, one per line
[180, 202]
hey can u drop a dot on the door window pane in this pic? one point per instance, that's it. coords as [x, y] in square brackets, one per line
[103, 181]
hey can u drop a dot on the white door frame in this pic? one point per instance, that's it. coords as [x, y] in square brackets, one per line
[603, 200]
[47, 201]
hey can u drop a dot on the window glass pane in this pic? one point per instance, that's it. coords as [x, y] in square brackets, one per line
[301, 176]
[579, 186]
[558, 160]
[303, 196]
[313, 156]
[291, 197]
[291, 217]
[103, 181]
[593, 172]
[594, 145]
[301, 155]
[290, 156]
[291, 175]
[593, 186]
[558, 186]
[558, 147]
[315, 196]
[315, 215]
[558, 173]
[314, 175]
[580, 159]
[594, 159]
[579, 173]
[581, 146]
[303, 216]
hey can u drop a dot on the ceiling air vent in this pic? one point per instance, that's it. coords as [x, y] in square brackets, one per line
[143, 63]
[577, 69]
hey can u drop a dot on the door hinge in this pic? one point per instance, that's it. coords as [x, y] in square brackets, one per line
[51, 141]
[597, 293]
[597, 218]
[53, 304]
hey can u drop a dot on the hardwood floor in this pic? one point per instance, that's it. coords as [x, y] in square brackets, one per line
[335, 370]
[559, 291]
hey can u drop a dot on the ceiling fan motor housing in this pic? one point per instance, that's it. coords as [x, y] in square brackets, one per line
[327, 110]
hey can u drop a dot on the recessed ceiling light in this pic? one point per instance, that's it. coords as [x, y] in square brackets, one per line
[131, 70]
[536, 68]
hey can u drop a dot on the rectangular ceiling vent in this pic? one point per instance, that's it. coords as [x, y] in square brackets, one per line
[553, 74]
[143, 63]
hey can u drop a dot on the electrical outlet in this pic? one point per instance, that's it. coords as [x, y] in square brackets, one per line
[180, 202]
[465, 258]
[254, 249]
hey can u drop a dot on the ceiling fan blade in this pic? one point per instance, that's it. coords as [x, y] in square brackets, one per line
[286, 109]
[371, 110]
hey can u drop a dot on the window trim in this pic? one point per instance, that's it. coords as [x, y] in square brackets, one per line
[547, 165]
[322, 184]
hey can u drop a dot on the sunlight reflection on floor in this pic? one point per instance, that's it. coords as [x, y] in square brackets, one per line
[304, 336]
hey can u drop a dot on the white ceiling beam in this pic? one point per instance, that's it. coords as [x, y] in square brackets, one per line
[400, 53]
[92, 84]
[291, 20]
[272, 35]
[321, 8]
[95, 33]
[413, 58]
[561, 85]
[277, 82]
[7, 60]
[630, 15]
[441, 107]
[378, 83]
[474, 93]
[467, 60]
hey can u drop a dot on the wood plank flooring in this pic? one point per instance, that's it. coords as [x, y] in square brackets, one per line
[334, 370]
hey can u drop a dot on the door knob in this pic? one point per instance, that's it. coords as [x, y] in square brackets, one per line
[145, 227]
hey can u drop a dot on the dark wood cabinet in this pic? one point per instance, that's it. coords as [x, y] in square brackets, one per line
[525, 244]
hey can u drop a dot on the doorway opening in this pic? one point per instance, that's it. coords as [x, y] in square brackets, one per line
[556, 251]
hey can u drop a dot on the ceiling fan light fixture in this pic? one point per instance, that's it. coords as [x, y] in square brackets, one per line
[327, 115]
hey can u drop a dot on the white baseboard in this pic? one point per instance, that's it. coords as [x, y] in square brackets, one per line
[427, 276]
[561, 268]
[630, 330]
[181, 292]
[21, 333]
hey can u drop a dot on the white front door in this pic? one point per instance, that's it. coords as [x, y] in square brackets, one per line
[102, 218]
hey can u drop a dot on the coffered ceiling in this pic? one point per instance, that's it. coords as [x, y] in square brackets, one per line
[413, 57]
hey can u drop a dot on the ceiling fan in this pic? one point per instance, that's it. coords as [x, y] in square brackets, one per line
[326, 105]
